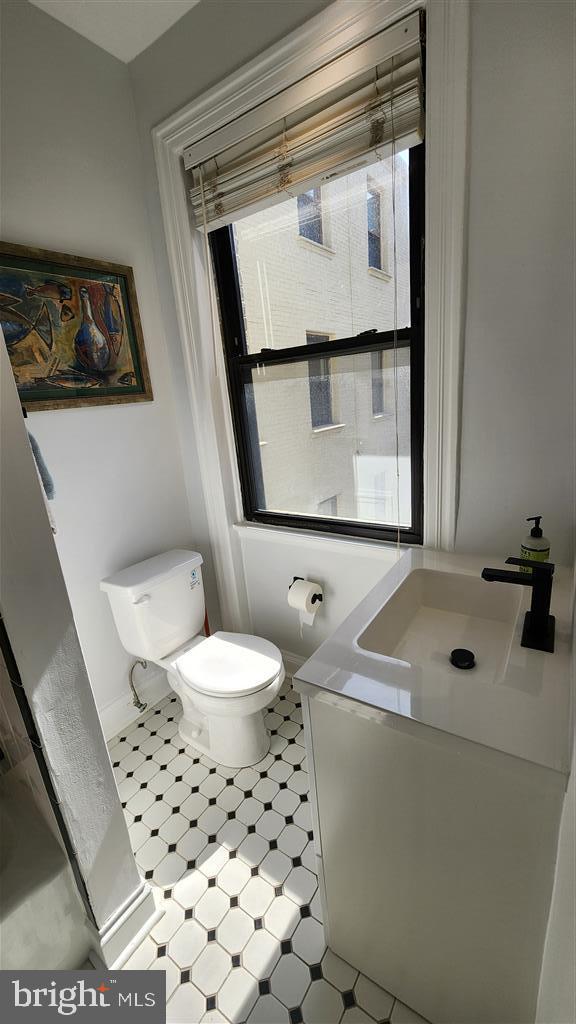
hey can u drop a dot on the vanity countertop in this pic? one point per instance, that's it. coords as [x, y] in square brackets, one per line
[524, 712]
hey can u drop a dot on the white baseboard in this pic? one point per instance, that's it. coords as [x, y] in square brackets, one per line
[292, 661]
[121, 712]
[124, 932]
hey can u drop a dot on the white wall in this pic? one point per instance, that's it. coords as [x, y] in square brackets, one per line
[71, 181]
[517, 408]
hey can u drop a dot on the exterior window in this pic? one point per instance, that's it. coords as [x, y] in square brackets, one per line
[341, 409]
[310, 216]
[320, 384]
[377, 383]
[374, 217]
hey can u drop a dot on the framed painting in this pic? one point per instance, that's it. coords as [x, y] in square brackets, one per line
[72, 329]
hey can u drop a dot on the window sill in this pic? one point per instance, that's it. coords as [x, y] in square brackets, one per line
[319, 247]
[329, 426]
[381, 275]
[388, 550]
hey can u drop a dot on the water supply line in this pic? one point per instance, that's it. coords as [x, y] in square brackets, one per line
[140, 704]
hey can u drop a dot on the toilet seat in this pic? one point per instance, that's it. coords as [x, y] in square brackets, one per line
[229, 665]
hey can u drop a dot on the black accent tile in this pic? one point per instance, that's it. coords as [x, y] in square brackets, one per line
[233, 902]
[158, 711]
[211, 883]
[178, 778]
[167, 894]
[193, 823]
[278, 890]
[299, 704]
[184, 977]
[212, 935]
[285, 946]
[296, 862]
[122, 739]
[277, 757]
[236, 960]
[170, 719]
[195, 760]
[292, 741]
[163, 768]
[154, 832]
[166, 741]
[141, 725]
[135, 748]
[116, 764]
[153, 733]
[289, 819]
[148, 874]
[316, 972]
[286, 718]
[158, 797]
[304, 798]
[138, 817]
[283, 785]
[171, 847]
[254, 872]
[143, 785]
[251, 828]
[212, 771]
[232, 855]
[310, 835]
[273, 844]
[295, 1015]
[247, 793]
[211, 1002]
[273, 732]
[349, 999]
[264, 987]
[148, 757]
[263, 775]
[191, 864]
[188, 913]
[181, 750]
[305, 911]
[211, 839]
[229, 782]
[231, 815]
[212, 801]
[195, 789]
[161, 951]
[129, 775]
[258, 924]
[175, 810]
[267, 806]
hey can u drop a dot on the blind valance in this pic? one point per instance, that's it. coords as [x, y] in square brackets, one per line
[340, 117]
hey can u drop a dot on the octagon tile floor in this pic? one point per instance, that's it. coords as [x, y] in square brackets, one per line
[230, 854]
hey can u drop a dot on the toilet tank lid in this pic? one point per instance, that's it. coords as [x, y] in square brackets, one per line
[137, 578]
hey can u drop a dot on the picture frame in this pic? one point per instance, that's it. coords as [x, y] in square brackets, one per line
[72, 328]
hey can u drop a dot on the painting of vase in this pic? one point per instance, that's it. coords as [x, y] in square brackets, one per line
[72, 329]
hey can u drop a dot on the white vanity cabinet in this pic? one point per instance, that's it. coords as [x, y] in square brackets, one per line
[436, 860]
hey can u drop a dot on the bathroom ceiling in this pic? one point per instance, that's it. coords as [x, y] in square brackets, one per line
[124, 28]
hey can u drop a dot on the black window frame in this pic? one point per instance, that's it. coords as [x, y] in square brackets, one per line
[240, 364]
[377, 382]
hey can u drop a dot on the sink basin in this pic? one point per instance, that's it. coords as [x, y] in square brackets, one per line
[433, 612]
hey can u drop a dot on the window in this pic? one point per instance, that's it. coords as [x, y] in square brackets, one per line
[377, 383]
[285, 377]
[374, 217]
[310, 216]
[320, 384]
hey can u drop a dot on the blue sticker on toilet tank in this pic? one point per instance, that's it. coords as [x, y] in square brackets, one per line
[194, 578]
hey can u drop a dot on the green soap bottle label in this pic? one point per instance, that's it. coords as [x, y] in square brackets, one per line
[533, 555]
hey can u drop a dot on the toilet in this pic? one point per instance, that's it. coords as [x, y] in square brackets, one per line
[224, 681]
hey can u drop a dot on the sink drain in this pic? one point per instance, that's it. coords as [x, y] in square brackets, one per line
[461, 658]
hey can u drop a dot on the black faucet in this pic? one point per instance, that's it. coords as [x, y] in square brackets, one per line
[539, 625]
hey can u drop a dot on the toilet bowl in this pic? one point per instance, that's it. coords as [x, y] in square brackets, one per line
[225, 681]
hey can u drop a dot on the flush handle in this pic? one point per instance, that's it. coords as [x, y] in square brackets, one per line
[143, 600]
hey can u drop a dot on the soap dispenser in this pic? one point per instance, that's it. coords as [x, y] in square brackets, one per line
[535, 547]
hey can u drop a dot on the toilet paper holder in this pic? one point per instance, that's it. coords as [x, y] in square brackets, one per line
[315, 597]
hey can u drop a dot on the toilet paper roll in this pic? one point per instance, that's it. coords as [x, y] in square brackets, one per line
[303, 596]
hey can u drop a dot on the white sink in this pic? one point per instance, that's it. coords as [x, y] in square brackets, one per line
[432, 612]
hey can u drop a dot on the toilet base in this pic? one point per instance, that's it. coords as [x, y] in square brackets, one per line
[230, 732]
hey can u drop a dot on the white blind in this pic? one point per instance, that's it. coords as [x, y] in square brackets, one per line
[338, 118]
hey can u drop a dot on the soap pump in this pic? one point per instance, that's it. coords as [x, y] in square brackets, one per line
[535, 547]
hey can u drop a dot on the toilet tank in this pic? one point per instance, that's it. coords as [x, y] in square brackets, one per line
[158, 604]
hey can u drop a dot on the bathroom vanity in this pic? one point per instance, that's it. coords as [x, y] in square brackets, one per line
[437, 792]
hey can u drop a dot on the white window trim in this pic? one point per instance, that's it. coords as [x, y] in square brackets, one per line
[330, 33]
